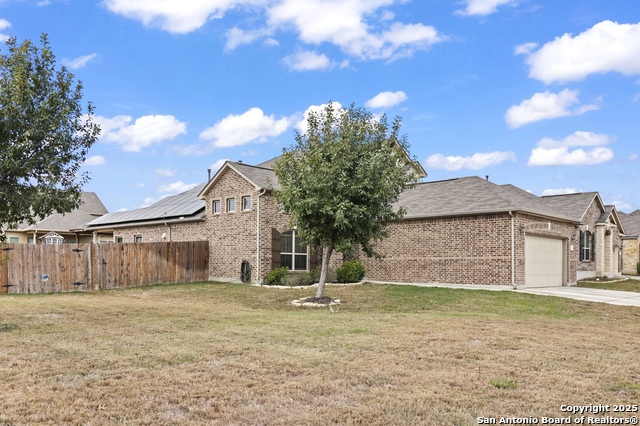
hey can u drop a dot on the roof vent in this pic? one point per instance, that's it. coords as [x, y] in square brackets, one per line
[239, 161]
[487, 177]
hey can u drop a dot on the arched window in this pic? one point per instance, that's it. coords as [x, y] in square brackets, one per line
[293, 253]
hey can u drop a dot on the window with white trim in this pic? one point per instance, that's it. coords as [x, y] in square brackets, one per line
[119, 239]
[137, 238]
[231, 205]
[246, 203]
[586, 245]
[216, 206]
[293, 252]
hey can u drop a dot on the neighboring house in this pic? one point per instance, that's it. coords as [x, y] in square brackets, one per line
[173, 218]
[61, 228]
[630, 242]
[465, 230]
[598, 238]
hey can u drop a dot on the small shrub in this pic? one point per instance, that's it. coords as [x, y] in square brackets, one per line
[277, 276]
[351, 271]
[504, 383]
[638, 268]
[298, 278]
[7, 326]
[332, 275]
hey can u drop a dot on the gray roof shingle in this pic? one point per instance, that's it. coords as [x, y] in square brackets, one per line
[470, 195]
[631, 223]
[572, 205]
[90, 208]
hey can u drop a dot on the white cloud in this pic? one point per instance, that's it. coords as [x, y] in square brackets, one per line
[147, 202]
[549, 152]
[145, 131]
[386, 99]
[477, 161]
[307, 60]
[605, 47]
[482, 7]
[165, 172]
[301, 125]
[79, 62]
[237, 37]
[621, 205]
[4, 24]
[251, 126]
[177, 187]
[560, 191]
[95, 160]
[544, 106]
[633, 157]
[216, 166]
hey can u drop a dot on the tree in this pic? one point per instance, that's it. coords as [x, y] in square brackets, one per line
[340, 179]
[44, 134]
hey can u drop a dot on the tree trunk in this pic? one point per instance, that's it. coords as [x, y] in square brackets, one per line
[326, 255]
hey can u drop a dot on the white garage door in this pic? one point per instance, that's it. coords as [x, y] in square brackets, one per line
[544, 261]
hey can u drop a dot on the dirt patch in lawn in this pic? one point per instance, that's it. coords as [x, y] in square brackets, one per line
[235, 354]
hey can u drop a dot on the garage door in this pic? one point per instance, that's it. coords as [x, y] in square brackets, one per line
[544, 262]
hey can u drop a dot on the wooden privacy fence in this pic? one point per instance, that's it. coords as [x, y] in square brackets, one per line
[28, 268]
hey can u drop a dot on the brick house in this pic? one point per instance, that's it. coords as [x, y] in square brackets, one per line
[599, 234]
[465, 230]
[630, 242]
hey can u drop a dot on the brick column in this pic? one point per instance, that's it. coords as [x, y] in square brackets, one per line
[600, 250]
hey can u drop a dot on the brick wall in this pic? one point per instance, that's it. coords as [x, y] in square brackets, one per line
[462, 249]
[186, 231]
[631, 255]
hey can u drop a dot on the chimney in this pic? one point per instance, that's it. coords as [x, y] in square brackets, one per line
[209, 174]
[487, 177]
[239, 161]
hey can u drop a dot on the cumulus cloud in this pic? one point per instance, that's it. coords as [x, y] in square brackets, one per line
[550, 152]
[482, 7]
[4, 24]
[477, 161]
[355, 26]
[544, 106]
[216, 166]
[95, 160]
[177, 187]
[250, 126]
[560, 191]
[165, 172]
[307, 60]
[145, 131]
[301, 125]
[606, 47]
[79, 62]
[621, 205]
[386, 99]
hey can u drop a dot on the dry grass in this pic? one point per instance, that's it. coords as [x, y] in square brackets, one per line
[628, 284]
[232, 354]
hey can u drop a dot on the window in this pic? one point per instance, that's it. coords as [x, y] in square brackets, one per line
[137, 238]
[586, 246]
[53, 238]
[231, 204]
[246, 203]
[216, 206]
[293, 253]
[119, 239]
[30, 241]
[14, 240]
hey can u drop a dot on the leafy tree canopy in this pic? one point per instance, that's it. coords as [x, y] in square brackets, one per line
[340, 179]
[44, 134]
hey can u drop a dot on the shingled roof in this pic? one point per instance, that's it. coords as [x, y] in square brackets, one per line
[631, 223]
[90, 208]
[468, 196]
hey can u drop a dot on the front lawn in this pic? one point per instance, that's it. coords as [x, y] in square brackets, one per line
[628, 284]
[214, 353]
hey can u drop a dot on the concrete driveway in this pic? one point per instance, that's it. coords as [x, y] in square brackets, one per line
[612, 297]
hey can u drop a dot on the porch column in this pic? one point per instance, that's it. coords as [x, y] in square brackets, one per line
[608, 253]
[600, 251]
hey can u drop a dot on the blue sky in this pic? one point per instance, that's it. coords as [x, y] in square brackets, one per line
[541, 94]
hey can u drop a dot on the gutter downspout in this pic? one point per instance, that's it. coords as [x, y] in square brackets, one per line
[258, 235]
[513, 253]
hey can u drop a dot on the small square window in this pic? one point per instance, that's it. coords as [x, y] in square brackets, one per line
[119, 239]
[246, 203]
[137, 238]
[216, 206]
[231, 205]
[14, 240]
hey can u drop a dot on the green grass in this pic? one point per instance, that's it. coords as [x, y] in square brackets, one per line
[628, 284]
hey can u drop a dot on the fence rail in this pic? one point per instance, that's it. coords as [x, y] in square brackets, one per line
[28, 268]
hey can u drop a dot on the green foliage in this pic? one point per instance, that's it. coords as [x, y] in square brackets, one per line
[340, 179]
[44, 134]
[504, 383]
[638, 268]
[351, 271]
[332, 275]
[277, 276]
[299, 278]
